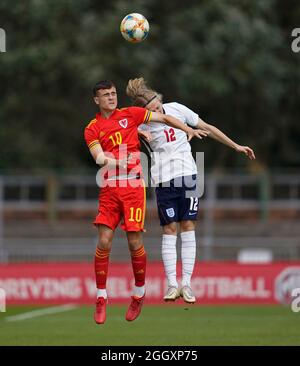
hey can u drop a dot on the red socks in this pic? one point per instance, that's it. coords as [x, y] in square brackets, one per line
[101, 267]
[139, 260]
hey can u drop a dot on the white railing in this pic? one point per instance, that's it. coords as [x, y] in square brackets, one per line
[54, 193]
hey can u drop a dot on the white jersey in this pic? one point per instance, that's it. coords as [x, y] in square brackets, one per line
[172, 155]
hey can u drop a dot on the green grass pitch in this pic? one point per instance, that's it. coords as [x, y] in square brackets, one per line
[165, 325]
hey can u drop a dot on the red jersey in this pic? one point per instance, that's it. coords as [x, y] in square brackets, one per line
[118, 134]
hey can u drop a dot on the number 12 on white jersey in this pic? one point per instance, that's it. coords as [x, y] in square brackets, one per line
[170, 135]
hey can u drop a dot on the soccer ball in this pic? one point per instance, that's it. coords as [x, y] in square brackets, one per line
[134, 27]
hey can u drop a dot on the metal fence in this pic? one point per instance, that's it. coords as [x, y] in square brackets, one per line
[231, 195]
[229, 191]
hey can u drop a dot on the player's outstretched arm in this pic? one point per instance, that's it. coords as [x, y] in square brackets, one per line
[246, 150]
[101, 159]
[174, 122]
[218, 135]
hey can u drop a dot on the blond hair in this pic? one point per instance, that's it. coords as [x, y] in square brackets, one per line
[139, 93]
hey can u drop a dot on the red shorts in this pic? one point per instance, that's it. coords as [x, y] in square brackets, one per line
[127, 203]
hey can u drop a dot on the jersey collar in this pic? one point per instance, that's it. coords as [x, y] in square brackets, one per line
[99, 115]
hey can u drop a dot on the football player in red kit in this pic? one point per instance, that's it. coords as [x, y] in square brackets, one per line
[112, 138]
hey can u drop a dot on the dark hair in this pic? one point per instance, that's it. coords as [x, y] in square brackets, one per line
[102, 84]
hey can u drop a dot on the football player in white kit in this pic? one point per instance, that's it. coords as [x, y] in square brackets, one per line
[174, 170]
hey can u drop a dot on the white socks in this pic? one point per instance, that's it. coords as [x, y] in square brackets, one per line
[138, 291]
[188, 256]
[101, 293]
[169, 256]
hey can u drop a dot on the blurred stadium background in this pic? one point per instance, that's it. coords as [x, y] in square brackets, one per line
[230, 61]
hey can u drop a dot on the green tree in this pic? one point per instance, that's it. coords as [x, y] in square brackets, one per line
[230, 61]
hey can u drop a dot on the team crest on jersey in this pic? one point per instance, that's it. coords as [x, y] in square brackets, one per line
[170, 212]
[123, 122]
